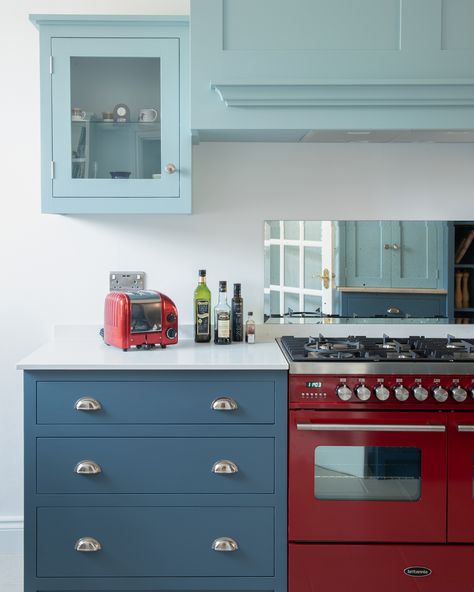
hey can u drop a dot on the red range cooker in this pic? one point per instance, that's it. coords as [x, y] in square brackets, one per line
[381, 464]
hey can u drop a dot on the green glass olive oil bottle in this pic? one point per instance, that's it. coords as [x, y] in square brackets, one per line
[202, 310]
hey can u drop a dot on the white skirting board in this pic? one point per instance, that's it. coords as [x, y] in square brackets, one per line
[11, 535]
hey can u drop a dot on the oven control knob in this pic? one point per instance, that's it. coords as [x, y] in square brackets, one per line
[420, 393]
[459, 394]
[344, 392]
[381, 392]
[401, 393]
[440, 394]
[363, 393]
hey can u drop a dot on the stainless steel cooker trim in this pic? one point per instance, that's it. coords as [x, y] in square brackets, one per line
[357, 368]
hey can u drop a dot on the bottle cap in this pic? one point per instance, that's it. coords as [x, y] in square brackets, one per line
[202, 273]
[222, 286]
[250, 314]
[237, 289]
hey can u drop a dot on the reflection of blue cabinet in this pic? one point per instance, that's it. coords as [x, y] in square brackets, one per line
[96, 159]
[393, 254]
[392, 305]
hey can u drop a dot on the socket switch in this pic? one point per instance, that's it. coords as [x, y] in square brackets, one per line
[126, 280]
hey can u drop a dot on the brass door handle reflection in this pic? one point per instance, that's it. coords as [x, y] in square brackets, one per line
[326, 277]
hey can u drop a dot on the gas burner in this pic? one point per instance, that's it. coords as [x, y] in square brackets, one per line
[459, 344]
[402, 355]
[320, 347]
[330, 355]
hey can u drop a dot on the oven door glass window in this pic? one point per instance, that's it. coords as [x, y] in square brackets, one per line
[367, 473]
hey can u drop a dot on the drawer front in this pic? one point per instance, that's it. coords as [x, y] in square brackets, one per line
[155, 465]
[182, 402]
[155, 541]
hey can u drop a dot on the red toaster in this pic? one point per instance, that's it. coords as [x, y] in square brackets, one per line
[140, 318]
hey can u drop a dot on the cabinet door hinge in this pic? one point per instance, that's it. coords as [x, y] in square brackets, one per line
[50, 64]
[52, 169]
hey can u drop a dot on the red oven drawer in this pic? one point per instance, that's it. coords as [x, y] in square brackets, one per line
[372, 568]
[367, 477]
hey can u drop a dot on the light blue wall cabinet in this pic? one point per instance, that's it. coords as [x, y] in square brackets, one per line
[155, 489]
[265, 66]
[115, 114]
[393, 254]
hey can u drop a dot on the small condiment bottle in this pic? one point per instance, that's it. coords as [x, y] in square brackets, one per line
[250, 329]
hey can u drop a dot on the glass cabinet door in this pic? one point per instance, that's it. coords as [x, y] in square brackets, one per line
[115, 114]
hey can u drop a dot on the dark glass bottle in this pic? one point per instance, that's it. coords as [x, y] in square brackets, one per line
[222, 326]
[202, 310]
[237, 315]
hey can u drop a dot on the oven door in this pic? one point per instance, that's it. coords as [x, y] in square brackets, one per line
[461, 478]
[367, 476]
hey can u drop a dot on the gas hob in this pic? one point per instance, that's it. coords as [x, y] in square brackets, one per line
[378, 354]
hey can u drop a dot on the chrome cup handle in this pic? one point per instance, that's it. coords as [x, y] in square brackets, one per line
[87, 467]
[87, 404]
[225, 544]
[224, 404]
[224, 467]
[87, 545]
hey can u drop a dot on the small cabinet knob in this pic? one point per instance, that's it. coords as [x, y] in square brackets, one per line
[87, 545]
[224, 467]
[87, 404]
[224, 404]
[87, 467]
[225, 544]
[170, 168]
[393, 310]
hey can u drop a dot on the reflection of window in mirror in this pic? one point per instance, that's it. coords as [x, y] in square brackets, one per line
[365, 269]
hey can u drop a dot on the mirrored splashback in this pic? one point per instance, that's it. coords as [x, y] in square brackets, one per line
[369, 271]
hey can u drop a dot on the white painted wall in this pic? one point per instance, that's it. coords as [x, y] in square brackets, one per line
[55, 268]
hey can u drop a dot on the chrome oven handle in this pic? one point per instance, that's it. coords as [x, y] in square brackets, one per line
[465, 428]
[362, 427]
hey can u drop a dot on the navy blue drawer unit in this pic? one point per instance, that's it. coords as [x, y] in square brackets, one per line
[155, 481]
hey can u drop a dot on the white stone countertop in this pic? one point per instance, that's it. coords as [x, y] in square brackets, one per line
[85, 350]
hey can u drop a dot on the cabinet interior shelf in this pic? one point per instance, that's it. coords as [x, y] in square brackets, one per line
[465, 265]
[117, 124]
[464, 310]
